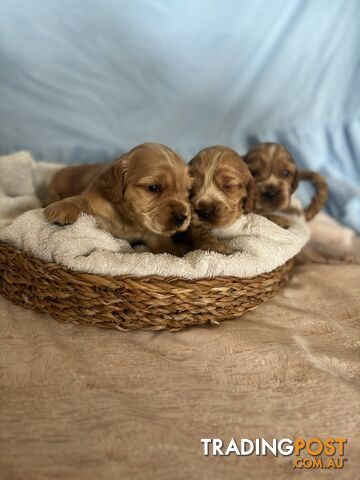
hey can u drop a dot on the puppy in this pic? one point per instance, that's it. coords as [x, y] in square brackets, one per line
[222, 190]
[142, 196]
[276, 177]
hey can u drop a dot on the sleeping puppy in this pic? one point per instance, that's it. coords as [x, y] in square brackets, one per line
[276, 177]
[223, 189]
[142, 196]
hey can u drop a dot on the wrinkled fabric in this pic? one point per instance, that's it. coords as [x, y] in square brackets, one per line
[85, 83]
[83, 403]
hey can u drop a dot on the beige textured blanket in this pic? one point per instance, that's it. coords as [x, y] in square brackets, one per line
[80, 403]
[84, 403]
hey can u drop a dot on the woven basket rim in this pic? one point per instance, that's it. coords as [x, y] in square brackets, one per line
[128, 302]
[144, 278]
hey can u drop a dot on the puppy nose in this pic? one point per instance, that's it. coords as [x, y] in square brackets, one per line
[204, 213]
[270, 194]
[179, 219]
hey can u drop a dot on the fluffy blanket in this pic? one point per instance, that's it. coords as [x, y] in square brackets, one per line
[260, 244]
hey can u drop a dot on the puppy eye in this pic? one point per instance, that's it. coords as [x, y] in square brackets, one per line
[286, 173]
[153, 188]
[254, 173]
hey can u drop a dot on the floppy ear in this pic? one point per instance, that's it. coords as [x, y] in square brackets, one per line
[246, 158]
[250, 201]
[112, 180]
[295, 182]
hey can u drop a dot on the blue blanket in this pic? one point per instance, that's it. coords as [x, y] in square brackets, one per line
[84, 81]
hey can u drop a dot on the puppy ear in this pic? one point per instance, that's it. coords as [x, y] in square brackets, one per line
[246, 158]
[112, 180]
[250, 201]
[295, 182]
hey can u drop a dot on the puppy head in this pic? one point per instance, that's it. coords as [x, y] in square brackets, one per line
[223, 187]
[150, 184]
[275, 175]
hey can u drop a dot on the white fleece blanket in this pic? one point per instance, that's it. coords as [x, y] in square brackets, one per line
[260, 244]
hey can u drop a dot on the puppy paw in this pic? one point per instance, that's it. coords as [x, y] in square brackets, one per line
[162, 244]
[224, 249]
[217, 246]
[168, 248]
[67, 211]
[176, 251]
[57, 214]
[282, 222]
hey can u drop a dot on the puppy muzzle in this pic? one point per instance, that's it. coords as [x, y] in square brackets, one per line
[271, 197]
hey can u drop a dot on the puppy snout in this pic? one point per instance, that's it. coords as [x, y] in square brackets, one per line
[179, 219]
[270, 194]
[204, 213]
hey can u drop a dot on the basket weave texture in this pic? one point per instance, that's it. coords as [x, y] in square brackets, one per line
[129, 303]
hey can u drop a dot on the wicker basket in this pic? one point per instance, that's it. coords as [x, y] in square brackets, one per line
[127, 303]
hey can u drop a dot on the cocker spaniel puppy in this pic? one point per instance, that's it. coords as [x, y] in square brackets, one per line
[276, 177]
[141, 197]
[223, 189]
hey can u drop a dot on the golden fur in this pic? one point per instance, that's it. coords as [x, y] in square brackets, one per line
[223, 189]
[275, 174]
[142, 196]
[276, 177]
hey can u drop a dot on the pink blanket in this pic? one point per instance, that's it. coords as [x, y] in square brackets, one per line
[83, 403]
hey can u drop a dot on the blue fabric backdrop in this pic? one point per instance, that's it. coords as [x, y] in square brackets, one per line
[83, 80]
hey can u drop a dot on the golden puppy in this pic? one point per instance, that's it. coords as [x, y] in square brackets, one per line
[142, 196]
[223, 189]
[276, 178]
